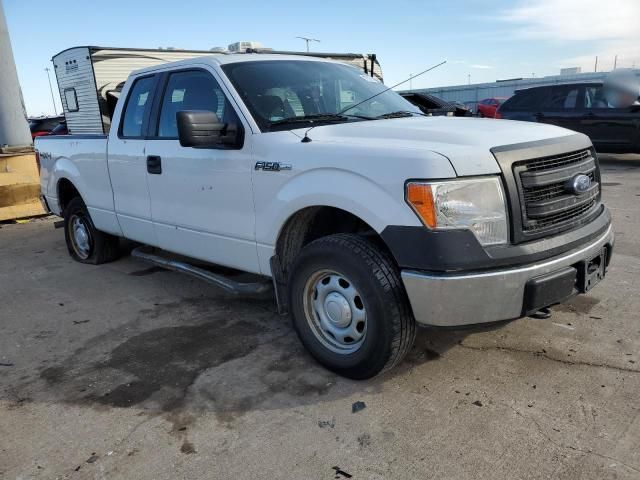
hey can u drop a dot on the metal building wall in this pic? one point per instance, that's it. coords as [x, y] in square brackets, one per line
[472, 94]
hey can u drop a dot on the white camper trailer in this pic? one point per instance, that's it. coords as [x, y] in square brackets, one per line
[90, 78]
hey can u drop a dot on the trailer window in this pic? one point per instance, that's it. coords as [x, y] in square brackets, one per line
[136, 106]
[72, 99]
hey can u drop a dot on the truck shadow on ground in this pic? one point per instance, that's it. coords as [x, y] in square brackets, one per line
[220, 355]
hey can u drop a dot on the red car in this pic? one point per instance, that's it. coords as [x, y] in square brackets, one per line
[489, 106]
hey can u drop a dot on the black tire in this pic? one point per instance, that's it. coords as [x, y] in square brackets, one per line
[390, 326]
[101, 247]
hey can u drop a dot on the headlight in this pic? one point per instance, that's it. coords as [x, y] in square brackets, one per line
[476, 204]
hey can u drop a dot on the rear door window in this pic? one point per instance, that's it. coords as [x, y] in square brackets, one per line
[523, 101]
[594, 97]
[138, 103]
[562, 98]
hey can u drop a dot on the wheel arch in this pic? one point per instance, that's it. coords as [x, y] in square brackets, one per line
[303, 227]
[66, 190]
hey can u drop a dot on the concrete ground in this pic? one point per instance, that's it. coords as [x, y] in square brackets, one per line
[128, 372]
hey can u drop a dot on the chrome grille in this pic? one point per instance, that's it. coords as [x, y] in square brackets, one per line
[545, 201]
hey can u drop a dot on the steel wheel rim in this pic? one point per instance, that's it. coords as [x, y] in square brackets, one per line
[81, 239]
[335, 311]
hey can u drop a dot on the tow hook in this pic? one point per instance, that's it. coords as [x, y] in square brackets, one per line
[542, 314]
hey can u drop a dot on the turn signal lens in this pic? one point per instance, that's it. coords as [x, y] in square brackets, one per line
[420, 197]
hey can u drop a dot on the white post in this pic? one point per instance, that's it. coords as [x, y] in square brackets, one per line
[14, 129]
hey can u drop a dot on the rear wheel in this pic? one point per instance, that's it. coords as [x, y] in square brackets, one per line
[85, 243]
[349, 306]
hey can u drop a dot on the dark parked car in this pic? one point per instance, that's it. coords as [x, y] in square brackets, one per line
[43, 125]
[60, 129]
[433, 105]
[581, 107]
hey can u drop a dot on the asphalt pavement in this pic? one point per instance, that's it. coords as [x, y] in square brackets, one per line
[123, 371]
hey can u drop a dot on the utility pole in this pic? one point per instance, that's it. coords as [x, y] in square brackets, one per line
[615, 62]
[469, 79]
[307, 39]
[14, 129]
[595, 69]
[53, 101]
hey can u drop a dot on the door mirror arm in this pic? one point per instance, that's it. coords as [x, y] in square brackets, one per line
[230, 134]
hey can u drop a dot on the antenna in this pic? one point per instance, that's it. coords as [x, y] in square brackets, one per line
[308, 39]
[306, 138]
[55, 110]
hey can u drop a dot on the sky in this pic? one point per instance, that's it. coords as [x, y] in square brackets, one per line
[482, 40]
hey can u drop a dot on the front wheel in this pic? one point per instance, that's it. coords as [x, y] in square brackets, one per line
[349, 306]
[87, 244]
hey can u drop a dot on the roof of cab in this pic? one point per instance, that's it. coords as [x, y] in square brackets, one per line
[232, 58]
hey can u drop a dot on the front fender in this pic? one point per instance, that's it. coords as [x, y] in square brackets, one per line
[333, 187]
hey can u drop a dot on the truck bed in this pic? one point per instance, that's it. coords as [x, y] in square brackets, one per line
[81, 159]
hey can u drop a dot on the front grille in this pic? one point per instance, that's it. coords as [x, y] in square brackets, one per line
[545, 202]
[557, 161]
[547, 192]
[561, 217]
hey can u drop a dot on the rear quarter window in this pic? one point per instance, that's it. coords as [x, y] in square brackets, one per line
[522, 101]
[137, 104]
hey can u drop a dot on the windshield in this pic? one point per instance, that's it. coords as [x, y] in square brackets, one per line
[276, 91]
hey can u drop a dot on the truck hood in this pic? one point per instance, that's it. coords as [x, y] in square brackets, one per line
[466, 142]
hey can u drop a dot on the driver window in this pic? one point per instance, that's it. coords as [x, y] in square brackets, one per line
[191, 90]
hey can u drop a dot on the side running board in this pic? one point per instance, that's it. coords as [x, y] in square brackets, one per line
[230, 286]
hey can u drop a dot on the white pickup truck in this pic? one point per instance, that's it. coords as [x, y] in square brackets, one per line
[367, 217]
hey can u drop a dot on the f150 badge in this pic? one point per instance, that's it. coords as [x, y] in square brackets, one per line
[272, 166]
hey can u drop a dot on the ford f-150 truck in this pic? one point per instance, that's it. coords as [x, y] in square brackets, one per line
[367, 217]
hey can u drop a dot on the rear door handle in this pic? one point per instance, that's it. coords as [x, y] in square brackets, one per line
[154, 164]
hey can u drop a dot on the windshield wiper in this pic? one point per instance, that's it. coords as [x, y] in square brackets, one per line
[318, 117]
[400, 114]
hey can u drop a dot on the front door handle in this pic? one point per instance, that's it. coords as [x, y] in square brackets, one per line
[154, 164]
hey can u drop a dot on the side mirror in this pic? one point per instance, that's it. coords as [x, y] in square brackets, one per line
[202, 128]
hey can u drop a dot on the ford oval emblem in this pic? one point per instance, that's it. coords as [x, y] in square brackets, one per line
[579, 184]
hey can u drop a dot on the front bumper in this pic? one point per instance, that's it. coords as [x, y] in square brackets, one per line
[449, 300]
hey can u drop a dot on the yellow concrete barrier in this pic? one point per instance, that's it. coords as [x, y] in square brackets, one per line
[19, 186]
